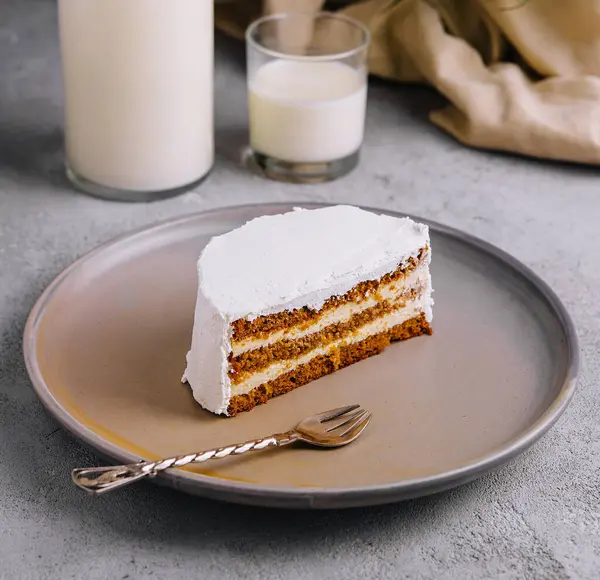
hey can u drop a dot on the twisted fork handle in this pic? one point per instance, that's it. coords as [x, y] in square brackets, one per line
[99, 480]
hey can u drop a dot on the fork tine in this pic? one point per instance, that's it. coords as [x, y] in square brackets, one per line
[344, 420]
[357, 427]
[334, 413]
[356, 424]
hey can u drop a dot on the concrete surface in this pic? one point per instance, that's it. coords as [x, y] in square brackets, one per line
[537, 518]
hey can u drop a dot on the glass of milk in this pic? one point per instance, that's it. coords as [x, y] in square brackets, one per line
[138, 83]
[307, 92]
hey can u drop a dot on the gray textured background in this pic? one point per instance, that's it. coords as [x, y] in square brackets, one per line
[537, 518]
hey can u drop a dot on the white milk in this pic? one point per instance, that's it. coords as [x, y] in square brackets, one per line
[138, 77]
[307, 112]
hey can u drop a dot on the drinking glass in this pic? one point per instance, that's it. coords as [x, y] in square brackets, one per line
[307, 93]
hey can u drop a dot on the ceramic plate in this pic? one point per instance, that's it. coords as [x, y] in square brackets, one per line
[105, 349]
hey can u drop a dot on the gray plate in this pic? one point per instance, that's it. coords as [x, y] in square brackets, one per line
[105, 347]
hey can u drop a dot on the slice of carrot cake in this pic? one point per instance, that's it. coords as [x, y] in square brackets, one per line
[288, 298]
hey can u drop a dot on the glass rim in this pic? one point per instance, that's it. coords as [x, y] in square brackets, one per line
[366, 41]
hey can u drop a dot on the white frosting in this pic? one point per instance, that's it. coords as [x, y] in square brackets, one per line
[283, 262]
[301, 258]
[207, 363]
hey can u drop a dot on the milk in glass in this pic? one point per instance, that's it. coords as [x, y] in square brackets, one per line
[307, 111]
[138, 79]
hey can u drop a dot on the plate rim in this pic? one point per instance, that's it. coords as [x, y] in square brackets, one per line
[309, 497]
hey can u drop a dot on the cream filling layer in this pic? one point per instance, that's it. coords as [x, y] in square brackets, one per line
[415, 279]
[422, 304]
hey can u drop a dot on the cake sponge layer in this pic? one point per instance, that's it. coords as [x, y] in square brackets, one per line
[285, 349]
[327, 364]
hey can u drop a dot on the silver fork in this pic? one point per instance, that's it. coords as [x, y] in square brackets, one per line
[332, 428]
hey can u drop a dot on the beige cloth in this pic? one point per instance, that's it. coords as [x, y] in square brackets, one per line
[520, 75]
